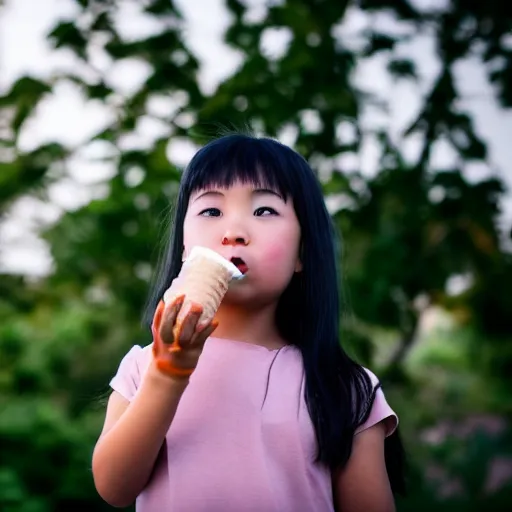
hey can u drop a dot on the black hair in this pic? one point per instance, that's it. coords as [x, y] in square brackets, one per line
[339, 393]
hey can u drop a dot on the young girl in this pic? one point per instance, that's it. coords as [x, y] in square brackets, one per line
[270, 414]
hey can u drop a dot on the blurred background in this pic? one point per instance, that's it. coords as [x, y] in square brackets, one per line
[403, 107]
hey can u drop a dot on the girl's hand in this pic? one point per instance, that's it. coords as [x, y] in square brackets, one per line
[178, 339]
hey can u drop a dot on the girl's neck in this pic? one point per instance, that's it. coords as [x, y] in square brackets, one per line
[250, 326]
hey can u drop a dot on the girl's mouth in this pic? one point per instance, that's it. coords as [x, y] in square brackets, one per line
[240, 264]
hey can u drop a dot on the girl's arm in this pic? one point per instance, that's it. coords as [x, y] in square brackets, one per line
[132, 436]
[363, 484]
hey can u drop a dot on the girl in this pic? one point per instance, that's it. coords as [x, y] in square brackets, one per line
[274, 415]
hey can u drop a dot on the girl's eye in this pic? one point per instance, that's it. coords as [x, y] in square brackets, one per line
[265, 211]
[210, 212]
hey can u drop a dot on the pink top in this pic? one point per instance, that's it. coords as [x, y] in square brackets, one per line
[242, 439]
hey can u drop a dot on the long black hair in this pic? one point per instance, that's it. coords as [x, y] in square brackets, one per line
[339, 392]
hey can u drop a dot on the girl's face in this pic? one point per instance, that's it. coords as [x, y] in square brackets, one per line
[253, 224]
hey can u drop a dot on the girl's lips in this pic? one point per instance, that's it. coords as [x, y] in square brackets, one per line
[240, 264]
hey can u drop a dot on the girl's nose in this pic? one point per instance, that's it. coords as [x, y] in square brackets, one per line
[235, 239]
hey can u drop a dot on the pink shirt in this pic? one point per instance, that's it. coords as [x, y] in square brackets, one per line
[242, 439]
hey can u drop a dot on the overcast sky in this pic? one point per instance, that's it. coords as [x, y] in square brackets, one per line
[65, 116]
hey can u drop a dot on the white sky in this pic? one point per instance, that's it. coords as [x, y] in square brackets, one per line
[65, 116]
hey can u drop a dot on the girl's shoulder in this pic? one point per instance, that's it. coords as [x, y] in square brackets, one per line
[375, 380]
[131, 368]
[136, 358]
[380, 409]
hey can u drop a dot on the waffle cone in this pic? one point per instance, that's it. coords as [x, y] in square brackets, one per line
[205, 282]
[205, 279]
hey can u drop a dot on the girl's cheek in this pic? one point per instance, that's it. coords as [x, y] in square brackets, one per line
[278, 255]
[274, 252]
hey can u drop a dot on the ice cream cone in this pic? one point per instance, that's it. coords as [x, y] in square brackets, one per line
[205, 279]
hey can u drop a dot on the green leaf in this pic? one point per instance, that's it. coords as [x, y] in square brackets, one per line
[98, 91]
[502, 79]
[236, 7]
[402, 8]
[379, 42]
[67, 35]
[26, 90]
[402, 68]
[162, 7]
[102, 23]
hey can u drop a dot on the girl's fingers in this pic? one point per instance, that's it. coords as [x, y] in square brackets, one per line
[203, 324]
[186, 325]
[178, 334]
[200, 336]
[206, 332]
[185, 358]
[168, 321]
[157, 318]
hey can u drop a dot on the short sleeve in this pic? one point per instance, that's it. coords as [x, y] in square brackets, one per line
[126, 380]
[381, 411]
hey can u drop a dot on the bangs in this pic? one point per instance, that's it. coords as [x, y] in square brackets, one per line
[239, 159]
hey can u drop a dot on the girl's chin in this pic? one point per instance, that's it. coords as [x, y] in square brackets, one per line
[239, 294]
[250, 296]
